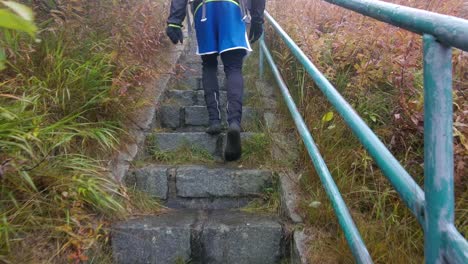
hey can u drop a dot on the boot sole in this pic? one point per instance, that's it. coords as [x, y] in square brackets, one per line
[233, 149]
[214, 133]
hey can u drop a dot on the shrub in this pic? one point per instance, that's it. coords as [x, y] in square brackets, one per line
[63, 104]
[378, 69]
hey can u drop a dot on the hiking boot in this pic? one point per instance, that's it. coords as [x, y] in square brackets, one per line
[233, 149]
[214, 129]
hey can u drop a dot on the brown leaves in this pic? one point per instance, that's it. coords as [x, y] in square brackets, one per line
[139, 29]
[82, 232]
[377, 55]
[460, 132]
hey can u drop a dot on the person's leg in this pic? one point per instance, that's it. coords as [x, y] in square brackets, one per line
[211, 88]
[233, 61]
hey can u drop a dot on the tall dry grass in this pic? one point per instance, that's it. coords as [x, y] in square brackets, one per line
[63, 104]
[378, 69]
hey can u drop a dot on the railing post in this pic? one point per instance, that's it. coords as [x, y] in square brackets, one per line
[261, 63]
[438, 148]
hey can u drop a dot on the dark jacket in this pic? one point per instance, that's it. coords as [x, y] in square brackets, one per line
[179, 10]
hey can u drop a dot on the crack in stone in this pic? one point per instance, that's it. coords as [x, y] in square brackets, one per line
[197, 250]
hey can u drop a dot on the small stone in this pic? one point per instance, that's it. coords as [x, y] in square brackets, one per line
[315, 204]
[290, 197]
[300, 248]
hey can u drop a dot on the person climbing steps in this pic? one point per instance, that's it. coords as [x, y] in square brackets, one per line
[221, 31]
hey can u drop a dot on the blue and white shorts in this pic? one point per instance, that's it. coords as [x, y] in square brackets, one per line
[223, 30]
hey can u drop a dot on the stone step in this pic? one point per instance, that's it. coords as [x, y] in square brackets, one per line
[228, 237]
[194, 82]
[191, 98]
[196, 98]
[200, 187]
[178, 83]
[188, 76]
[173, 116]
[212, 145]
[197, 67]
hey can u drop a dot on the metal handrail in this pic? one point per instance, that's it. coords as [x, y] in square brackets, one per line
[434, 208]
[344, 217]
[452, 31]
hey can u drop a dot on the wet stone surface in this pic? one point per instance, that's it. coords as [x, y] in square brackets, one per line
[197, 181]
[196, 116]
[204, 224]
[236, 237]
[230, 237]
[181, 97]
[154, 239]
[152, 180]
[175, 141]
[170, 116]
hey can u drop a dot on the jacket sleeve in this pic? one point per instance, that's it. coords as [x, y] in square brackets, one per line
[256, 11]
[178, 12]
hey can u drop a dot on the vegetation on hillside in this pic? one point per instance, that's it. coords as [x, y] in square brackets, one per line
[70, 78]
[65, 92]
[378, 69]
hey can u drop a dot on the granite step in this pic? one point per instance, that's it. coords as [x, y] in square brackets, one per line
[194, 98]
[208, 237]
[212, 145]
[188, 69]
[190, 98]
[193, 83]
[200, 187]
[174, 116]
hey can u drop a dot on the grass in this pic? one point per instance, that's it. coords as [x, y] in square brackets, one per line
[269, 202]
[382, 218]
[184, 155]
[387, 95]
[45, 136]
[142, 203]
[63, 105]
[256, 150]
[256, 153]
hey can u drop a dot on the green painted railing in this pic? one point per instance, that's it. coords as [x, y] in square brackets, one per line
[433, 207]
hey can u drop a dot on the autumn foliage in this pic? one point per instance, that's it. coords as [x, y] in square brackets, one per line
[378, 70]
[360, 54]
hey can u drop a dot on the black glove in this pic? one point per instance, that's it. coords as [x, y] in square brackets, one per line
[174, 32]
[256, 31]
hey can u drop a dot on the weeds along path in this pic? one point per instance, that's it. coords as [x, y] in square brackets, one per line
[216, 212]
[377, 68]
[64, 104]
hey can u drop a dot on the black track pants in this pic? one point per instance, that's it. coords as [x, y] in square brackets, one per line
[233, 61]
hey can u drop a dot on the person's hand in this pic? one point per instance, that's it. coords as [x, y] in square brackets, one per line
[256, 31]
[174, 32]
